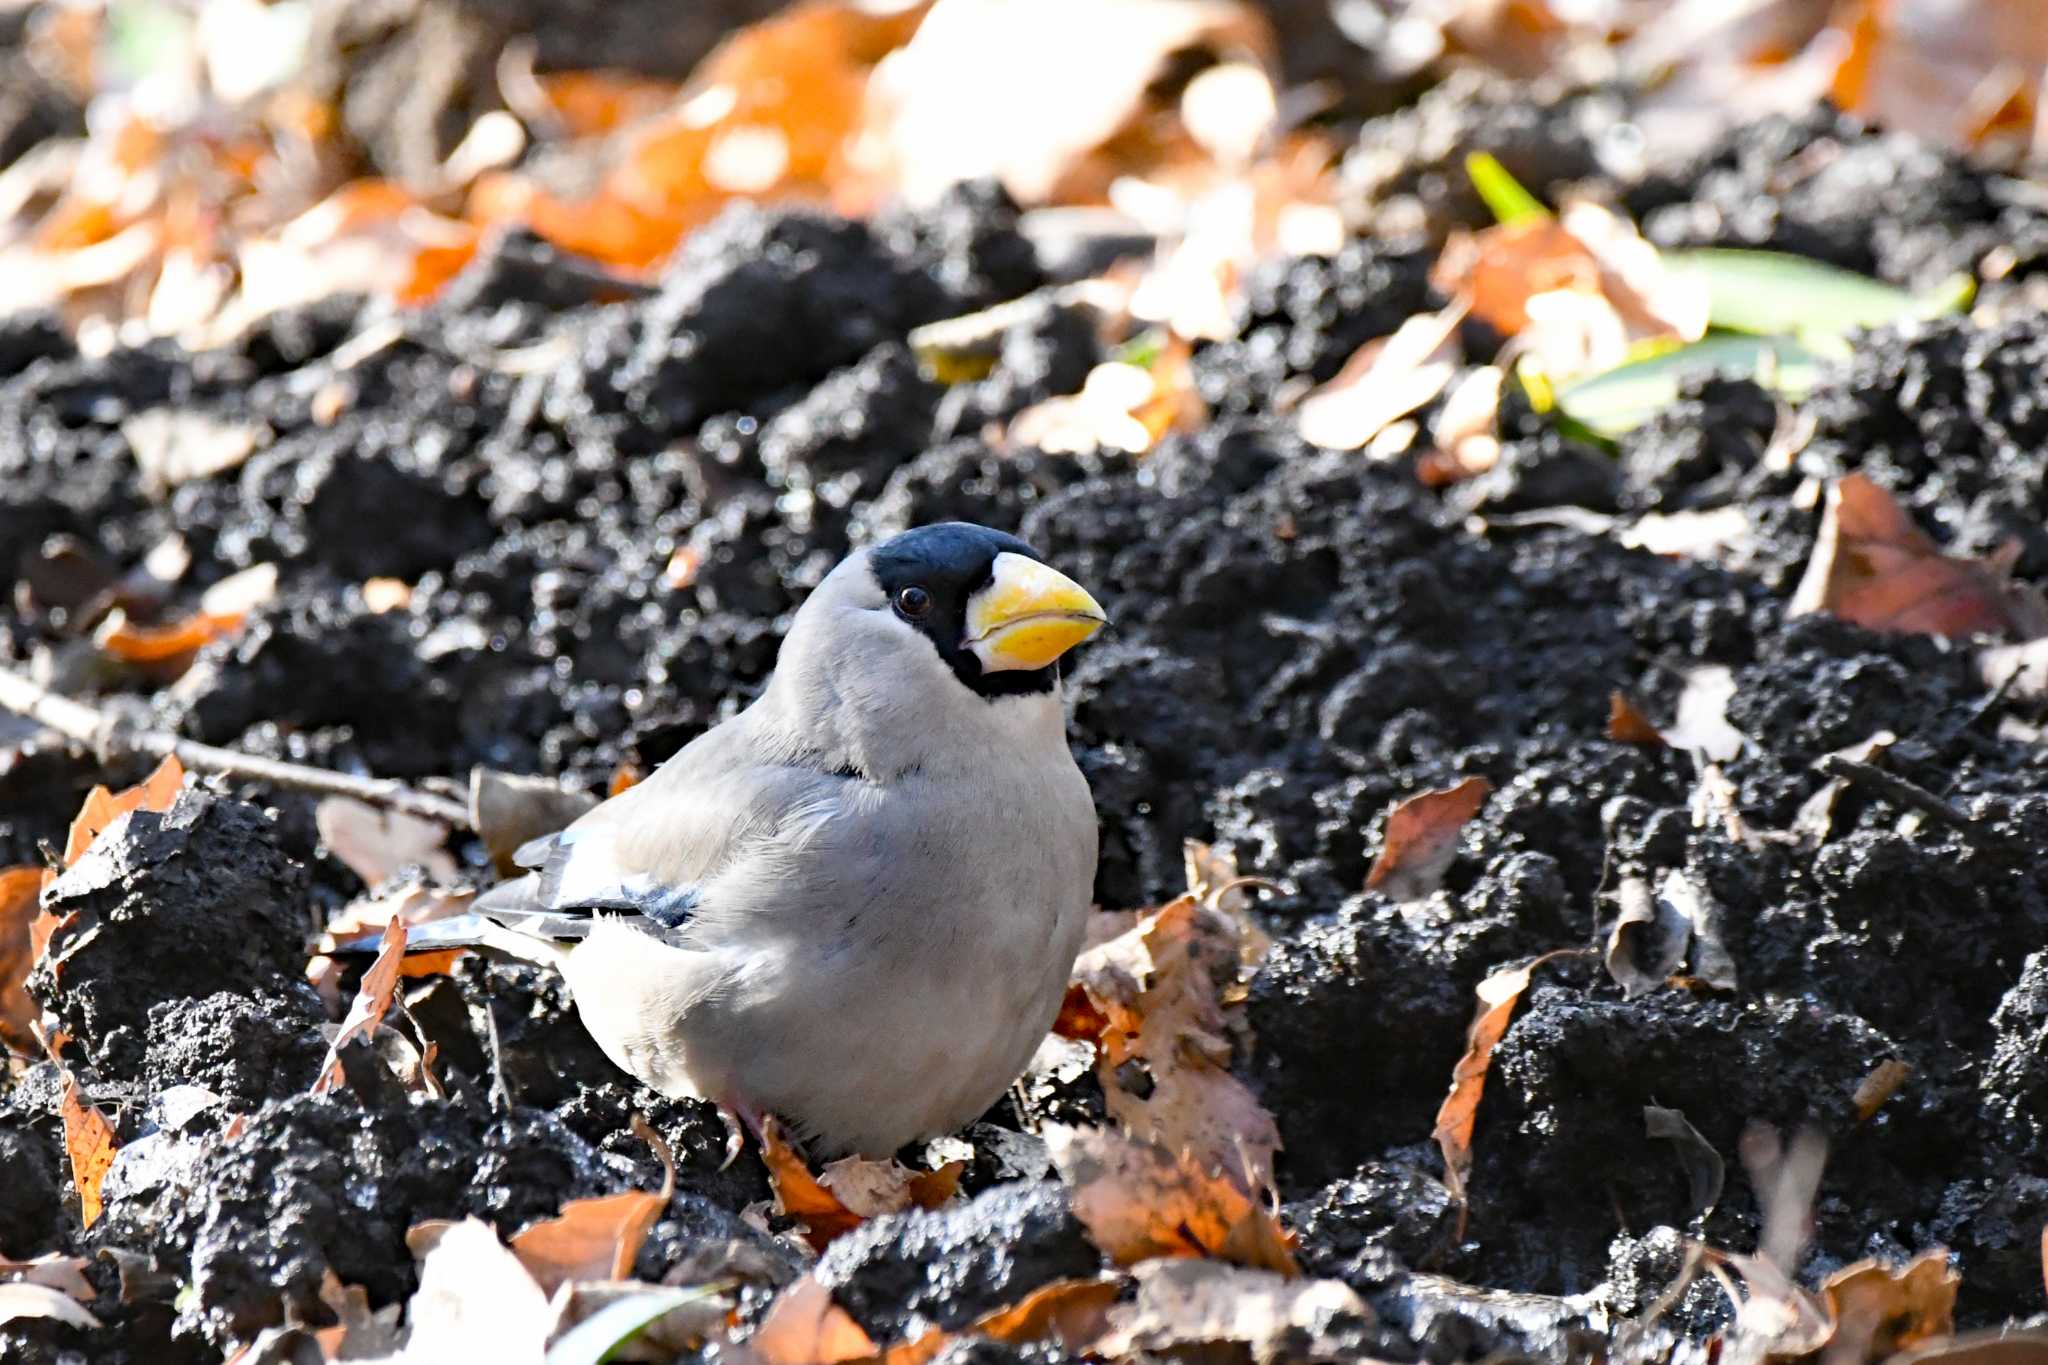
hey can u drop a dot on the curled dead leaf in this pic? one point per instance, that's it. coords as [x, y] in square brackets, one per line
[1877, 1310]
[157, 792]
[1872, 566]
[1704, 1168]
[1422, 838]
[1626, 724]
[852, 1190]
[373, 1000]
[1459, 1113]
[54, 1270]
[19, 1301]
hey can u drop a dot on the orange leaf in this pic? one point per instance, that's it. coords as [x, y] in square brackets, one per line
[437, 963]
[1422, 838]
[89, 1142]
[1458, 1114]
[805, 1327]
[1872, 566]
[1139, 1200]
[174, 643]
[1071, 1312]
[157, 792]
[19, 909]
[798, 1193]
[1628, 725]
[373, 999]
[1156, 993]
[593, 102]
[1878, 1310]
[596, 1239]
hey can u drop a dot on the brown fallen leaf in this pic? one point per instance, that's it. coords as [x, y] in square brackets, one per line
[1626, 724]
[1878, 1310]
[1139, 1200]
[805, 1327]
[1459, 1113]
[20, 889]
[1192, 1305]
[1383, 381]
[373, 1000]
[1072, 1312]
[597, 1239]
[1880, 1085]
[18, 1301]
[1154, 989]
[1872, 566]
[1422, 838]
[1648, 940]
[157, 792]
[90, 1146]
[1577, 292]
[508, 809]
[871, 1187]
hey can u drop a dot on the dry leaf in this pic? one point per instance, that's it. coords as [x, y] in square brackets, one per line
[377, 844]
[1704, 1167]
[1120, 407]
[1384, 380]
[597, 1239]
[1139, 1200]
[1464, 430]
[1709, 535]
[1963, 75]
[20, 890]
[174, 446]
[966, 98]
[1872, 566]
[1648, 940]
[1459, 1113]
[1701, 725]
[871, 1187]
[805, 1327]
[1189, 1305]
[1816, 817]
[1626, 724]
[89, 1143]
[508, 809]
[157, 792]
[373, 999]
[1154, 990]
[18, 1301]
[1880, 1085]
[1712, 963]
[52, 1270]
[1878, 1310]
[1422, 838]
[475, 1300]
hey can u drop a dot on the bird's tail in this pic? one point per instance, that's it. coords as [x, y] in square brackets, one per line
[505, 918]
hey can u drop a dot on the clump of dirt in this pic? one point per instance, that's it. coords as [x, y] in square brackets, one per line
[167, 910]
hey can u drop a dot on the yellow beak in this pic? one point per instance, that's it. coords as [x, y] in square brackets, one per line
[1029, 616]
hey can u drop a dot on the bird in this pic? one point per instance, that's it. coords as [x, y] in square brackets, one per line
[855, 904]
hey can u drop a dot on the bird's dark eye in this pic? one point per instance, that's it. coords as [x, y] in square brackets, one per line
[913, 601]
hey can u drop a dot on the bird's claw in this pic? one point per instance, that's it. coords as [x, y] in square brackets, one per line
[739, 1119]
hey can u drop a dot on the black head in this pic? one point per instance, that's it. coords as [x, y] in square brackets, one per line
[929, 574]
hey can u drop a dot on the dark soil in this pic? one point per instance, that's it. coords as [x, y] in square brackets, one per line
[1302, 640]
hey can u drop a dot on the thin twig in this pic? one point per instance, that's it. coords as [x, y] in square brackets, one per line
[112, 739]
[1898, 791]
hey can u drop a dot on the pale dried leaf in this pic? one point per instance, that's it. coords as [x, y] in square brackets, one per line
[805, 1327]
[377, 844]
[1648, 940]
[1139, 1201]
[19, 1301]
[508, 809]
[1384, 380]
[1183, 1305]
[476, 1301]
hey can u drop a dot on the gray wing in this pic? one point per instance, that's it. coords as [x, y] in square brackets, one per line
[646, 854]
